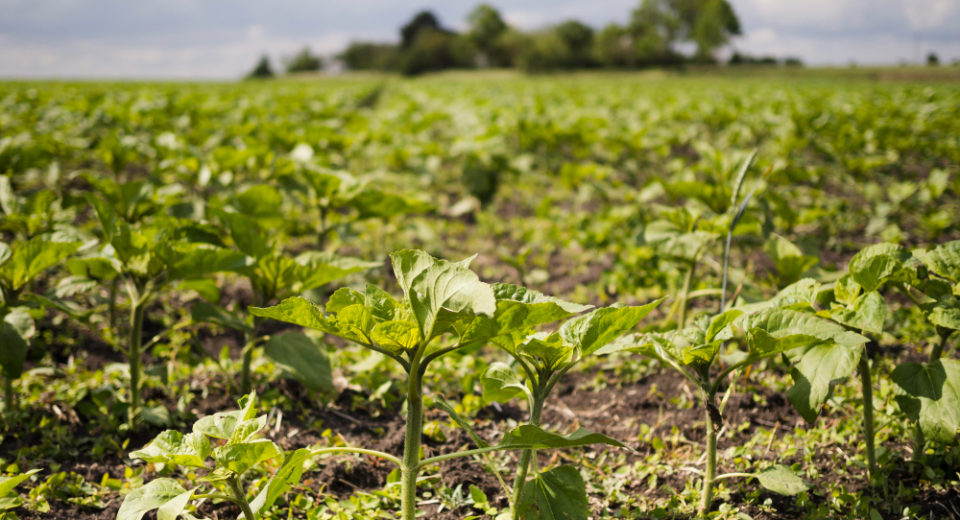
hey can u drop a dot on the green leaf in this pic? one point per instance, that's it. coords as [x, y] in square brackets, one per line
[172, 509]
[322, 268]
[246, 234]
[193, 260]
[720, 325]
[781, 479]
[501, 383]
[396, 335]
[13, 350]
[519, 308]
[298, 311]
[173, 447]
[788, 259]
[29, 259]
[261, 200]
[558, 494]
[762, 344]
[230, 425]
[436, 285]
[342, 298]
[943, 260]
[153, 495]
[780, 323]
[945, 312]
[371, 203]
[205, 312]
[238, 457]
[876, 264]
[931, 396]
[8, 483]
[597, 328]
[816, 370]
[867, 313]
[286, 476]
[528, 436]
[301, 357]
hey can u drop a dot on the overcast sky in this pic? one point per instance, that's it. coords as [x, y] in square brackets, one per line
[223, 38]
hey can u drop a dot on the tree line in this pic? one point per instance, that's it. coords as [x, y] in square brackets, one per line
[658, 33]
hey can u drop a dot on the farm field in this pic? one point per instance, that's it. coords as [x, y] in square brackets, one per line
[692, 296]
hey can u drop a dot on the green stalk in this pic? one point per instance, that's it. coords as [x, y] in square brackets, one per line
[133, 356]
[868, 430]
[246, 363]
[525, 458]
[8, 395]
[112, 306]
[687, 281]
[410, 467]
[709, 475]
[241, 498]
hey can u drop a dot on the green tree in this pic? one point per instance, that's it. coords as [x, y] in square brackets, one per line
[369, 56]
[486, 28]
[424, 21]
[262, 69]
[304, 61]
[614, 47]
[577, 39]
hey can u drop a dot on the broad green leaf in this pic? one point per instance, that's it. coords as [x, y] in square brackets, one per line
[226, 425]
[8, 483]
[501, 383]
[846, 290]
[788, 259]
[153, 495]
[209, 313]
[206, 287]
[599, 327]
[301, 357]
[407, 265]
[931, 396]
[298, 311]
[13, 350]
[5, 251]
[193, 260]
[381, 305]
[286, 476]
[439, 286]
[801, 295]
[355, 323]
[815, 371]
[396, 336]
[781, 479]
[720, 325]
[172, 509]
[943, 260]
[867, 313]
[762, 344]
[557, 494]
[246, 234]
[261, 200]
[173, 447]
[522, 308]
[528, 436]
[876, 264]
[945, 312]
[780, 323]
[240, 456]
[29, 259]
[342, 298]
[322, 268]
[373, 203]
[547, 351]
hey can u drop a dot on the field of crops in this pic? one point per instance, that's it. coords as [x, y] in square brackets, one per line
[562, 297]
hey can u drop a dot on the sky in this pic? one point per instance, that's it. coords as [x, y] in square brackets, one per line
[222, 39]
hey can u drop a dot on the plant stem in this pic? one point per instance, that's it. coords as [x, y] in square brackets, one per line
[524, 466]
[241, 498]
[726, 269]
[868, 431]
[133, 356]
[687, 281]
[247, 361]
[410, 467]
[112, 306]
[709, 475]
[8, 395]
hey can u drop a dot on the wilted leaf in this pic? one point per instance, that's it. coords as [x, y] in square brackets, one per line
[781, 479]
[153, 495]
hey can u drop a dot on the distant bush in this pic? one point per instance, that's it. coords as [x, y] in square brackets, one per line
[304, 61]
[262, 69]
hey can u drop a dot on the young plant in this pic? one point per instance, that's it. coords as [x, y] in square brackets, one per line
[148, 258]
[233, 443]
[273, 277]
[20, 266]
[9, 500]
[543, 359]
[445, 308]
[694, 350]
